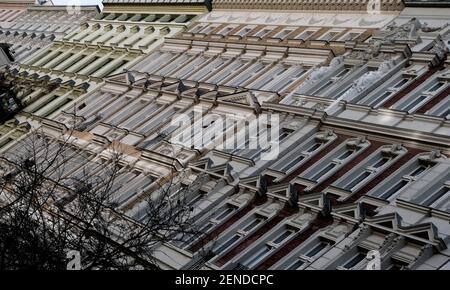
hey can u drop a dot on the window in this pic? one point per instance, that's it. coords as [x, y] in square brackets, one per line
[283, 237]
[394, 189]
[436, 87]
[401, 83]
[345, 155]
[445, 114]
[349, 36]
[324, 171]
[205, 228]
[297, 264]
[284, 133]
[226, 72]
[357, 180]
[227, 29]
[254, 260]
[313, 147]
[317, 249]
[354, 260]
[380, 99]
[227, 244]
[342, 92]
[198, 196]
[293, 162]
[252, 225]
[5, 141]
[342, 72]
[244, 31]
[415, 103]
[208, 29]
[224, 213]
[381, 162]
[263, 32]
[321, 88]
[435, 196]
[329, 36]
[419, 170]
[247, 74]
[305, 34]
[284, 33]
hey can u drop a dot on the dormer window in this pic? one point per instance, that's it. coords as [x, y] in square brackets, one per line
[263, 32]
[330, 35]
[284, 33]
[226, 30]
[306, 34]
[244, 31]
[350, 36]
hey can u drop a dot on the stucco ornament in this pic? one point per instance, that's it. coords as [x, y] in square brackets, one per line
[366, 80]
[426, 28]
[319, 73]
[439, 48]
[371, 52]
[405, 31]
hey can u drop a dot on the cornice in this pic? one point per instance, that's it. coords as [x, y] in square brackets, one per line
[413, 136]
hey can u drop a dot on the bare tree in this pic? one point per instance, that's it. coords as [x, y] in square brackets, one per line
[55, 197]
[10, 104]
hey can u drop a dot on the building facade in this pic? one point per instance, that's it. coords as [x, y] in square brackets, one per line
[355, 99]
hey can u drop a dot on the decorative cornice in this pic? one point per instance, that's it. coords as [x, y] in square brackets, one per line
[347, 5]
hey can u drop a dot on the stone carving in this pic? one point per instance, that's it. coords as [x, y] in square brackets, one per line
[319, 72]
[426, 28]
[372, 52]
[439, 48]
[435, 154]
[300, 102]
[405, 31]
[366, 80]
[320, 106]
